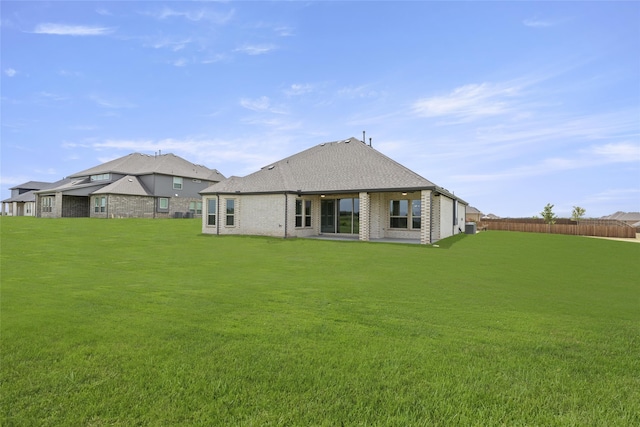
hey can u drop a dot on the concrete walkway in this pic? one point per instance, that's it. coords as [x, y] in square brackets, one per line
[352, 238]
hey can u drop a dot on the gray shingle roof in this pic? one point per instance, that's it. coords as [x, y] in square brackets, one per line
[340, 166]
[143, 164]
[129, 185]
[31, 185]
[28, 196]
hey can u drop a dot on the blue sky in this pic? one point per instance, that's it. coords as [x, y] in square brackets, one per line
[511, 105]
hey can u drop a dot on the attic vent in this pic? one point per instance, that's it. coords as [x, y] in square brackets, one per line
[346, 141]
[130, 180]
[271, 167]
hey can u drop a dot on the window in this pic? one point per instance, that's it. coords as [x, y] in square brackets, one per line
[195, 208]
[399, 213]
[307, 213]
[231, 207]
[416, 214]
[177, 183]
[47, 204]
[402, 217]
[211, 211]
[303, 213]
[100, 204]
[163, 203]
[101, 177]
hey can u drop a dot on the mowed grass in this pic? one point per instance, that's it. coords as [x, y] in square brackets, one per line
[148, 322]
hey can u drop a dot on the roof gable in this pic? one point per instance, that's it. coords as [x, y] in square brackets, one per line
[129, 185]
[31, 185]
[341, 166]
[143, 164]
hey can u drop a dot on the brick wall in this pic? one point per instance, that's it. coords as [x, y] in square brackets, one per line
[75, 207]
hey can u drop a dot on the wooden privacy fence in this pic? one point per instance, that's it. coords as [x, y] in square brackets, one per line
[620, 229]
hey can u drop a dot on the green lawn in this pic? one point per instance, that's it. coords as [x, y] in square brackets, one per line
[148, 322]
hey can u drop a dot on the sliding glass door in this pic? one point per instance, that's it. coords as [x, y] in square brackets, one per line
[340, 216]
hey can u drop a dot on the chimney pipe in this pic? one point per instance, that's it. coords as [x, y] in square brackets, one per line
[364, 140]
[370, 142]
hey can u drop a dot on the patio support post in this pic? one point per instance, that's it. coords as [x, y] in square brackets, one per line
[365, 209]
[425, 217]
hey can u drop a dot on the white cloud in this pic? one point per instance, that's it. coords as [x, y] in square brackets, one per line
[618, 152]
[71, 30]
[469, 101]
[111, 102]
[67, 73]
[194, 15]
[10, 72]
[51, 96]
[298, 89]
[354, 92]
[258, 49]
[171, 44]
[284, 31]
[261, 105]
[537, 23]
[181, 62]
[615, 195]
[595, 156]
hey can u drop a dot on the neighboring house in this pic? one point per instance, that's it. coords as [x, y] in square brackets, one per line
[343, 188]
[136, 185]
[630, 218]
[23, 199]
[473, 214]
[490, 216]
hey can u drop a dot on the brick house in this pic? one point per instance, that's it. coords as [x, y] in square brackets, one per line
[23, 199]
[342, 188]
[136, 185]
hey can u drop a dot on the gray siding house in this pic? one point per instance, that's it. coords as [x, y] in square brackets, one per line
[136, 185]
[341, 188]
[23, 199]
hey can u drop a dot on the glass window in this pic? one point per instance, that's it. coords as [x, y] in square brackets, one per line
[47, 204]
[211, 211]
[399, 212]
[307, 213]
[416, 214]
[299, 212]
[101, 177]
[163, 203]
[303, 213]
[177, 183]
[195, 208]
[402, 217]
[231, 208]
[100, 204]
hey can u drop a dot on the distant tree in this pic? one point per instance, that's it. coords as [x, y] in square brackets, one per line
[577, 213]
[548, 216]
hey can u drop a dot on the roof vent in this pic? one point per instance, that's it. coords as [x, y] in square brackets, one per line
[271, 167]
[130, 180]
